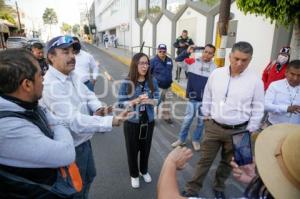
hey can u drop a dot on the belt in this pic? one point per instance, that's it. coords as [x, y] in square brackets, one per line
[226, 126]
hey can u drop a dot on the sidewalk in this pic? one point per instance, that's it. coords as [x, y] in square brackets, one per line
[124, 56]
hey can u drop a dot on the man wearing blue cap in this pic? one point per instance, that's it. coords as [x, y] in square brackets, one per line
[72, 102]
[161, 67]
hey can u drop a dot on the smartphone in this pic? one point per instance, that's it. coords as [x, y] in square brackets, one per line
[143, 131]
[241, 142]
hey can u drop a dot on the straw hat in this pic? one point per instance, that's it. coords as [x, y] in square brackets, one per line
[277, 151]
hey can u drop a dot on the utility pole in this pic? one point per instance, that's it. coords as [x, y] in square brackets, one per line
[88, 17]
[221, 36]
[18, 16]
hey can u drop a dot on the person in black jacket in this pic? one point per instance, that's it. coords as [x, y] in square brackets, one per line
[37, 50]
[182, 43]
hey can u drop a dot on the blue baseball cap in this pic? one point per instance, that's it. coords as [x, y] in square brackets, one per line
[60, 42]
[162, 47]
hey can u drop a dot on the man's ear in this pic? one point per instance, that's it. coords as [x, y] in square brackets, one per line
[26, 85]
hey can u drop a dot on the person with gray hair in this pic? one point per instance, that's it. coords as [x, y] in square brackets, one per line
[230, 103]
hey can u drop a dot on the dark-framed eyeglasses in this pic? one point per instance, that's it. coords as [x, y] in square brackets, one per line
[141, 63]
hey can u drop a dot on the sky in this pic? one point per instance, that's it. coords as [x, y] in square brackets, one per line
[67, 11]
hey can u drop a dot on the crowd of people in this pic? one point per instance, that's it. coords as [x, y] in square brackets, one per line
[48, 106]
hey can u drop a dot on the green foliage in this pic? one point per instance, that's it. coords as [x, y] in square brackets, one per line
[5, 12]
[7, 16]
[66, 28]
[49, 16]
[283, 11]
[76, 29]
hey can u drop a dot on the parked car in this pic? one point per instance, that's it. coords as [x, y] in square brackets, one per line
[16, 42]
[32, 41]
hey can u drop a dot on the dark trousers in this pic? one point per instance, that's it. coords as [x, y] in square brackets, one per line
[215, 137]
[134, 145]
[86, 165]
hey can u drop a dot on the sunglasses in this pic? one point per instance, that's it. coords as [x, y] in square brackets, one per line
[162, 51]
[61, 41]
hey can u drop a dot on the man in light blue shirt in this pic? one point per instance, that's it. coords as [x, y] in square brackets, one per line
[282, 99]
[72, 102]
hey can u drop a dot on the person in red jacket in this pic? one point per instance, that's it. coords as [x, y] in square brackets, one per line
[275, 70]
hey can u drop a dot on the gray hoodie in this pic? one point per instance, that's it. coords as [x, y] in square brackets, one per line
[22, 144]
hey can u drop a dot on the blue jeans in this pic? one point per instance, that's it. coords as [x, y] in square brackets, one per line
[192, 110]
[90, 85]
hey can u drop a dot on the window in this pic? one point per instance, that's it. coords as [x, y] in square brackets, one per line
[209, 3]
[175, 5]
[141, 9]
[155, 8]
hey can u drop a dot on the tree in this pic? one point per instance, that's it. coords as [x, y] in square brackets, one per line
[50, 18]
[66, 28]
[5, 12]
[76, 29]
[284, 12]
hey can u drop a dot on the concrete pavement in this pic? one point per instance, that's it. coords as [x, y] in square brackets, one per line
[124, 56]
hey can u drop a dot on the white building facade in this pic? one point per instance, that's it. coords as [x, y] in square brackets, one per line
[161, 21]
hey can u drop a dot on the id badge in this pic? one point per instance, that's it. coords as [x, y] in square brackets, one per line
[143, 131]
[142, 108]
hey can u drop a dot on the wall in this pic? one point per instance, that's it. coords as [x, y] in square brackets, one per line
[194, 23]
[109, 19]
[164, 28]
[256, 30]
[147, 36]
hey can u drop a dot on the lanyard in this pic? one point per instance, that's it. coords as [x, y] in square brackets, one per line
[292, 98]
[228, 85]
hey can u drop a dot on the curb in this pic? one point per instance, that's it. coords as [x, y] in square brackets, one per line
[175, 87]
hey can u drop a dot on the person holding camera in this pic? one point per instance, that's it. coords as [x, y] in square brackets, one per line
[199, 68]
[139, 92]
[274, 174]
[182, 43]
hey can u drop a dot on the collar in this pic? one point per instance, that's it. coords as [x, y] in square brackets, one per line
[241, 74]
[201, 61]
[23, 104]
[59, 75]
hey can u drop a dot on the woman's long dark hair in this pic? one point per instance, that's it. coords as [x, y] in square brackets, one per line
[133, 74]
[256, 189]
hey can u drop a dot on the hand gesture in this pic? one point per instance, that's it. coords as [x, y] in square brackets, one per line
[179, 156]
[104, 111]
[144, 98]
[191, 49]
[294, 109]
[243, 173]
[121, 117]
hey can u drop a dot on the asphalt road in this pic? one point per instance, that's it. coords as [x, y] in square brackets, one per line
[113, 180]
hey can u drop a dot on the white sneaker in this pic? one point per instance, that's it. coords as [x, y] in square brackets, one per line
[177, 143]
[135, 182]
[147, 177]
[196, 145]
